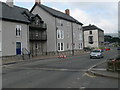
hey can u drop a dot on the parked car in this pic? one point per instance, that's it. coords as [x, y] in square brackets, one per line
[96, 53]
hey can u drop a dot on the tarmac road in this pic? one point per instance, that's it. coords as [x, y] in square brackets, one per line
[57, 73]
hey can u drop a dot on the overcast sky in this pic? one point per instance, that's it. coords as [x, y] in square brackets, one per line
[102, 14]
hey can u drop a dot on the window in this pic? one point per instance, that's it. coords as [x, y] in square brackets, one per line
[36, 45]
[60, 46]
[18, 30]
[80, 36]
[37, 22]
[80, 45]
[90, 32]
[67, 45]
[37, 34]
[59, 22]
[60, 34]
[90, 38]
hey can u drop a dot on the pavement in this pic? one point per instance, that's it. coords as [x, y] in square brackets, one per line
[101, 70]
[7, 62]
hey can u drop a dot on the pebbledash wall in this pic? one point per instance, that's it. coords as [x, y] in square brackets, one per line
[52, 28]
[9, 38]
[98, 38]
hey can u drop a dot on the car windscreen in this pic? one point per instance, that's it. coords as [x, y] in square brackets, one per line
[96, 51]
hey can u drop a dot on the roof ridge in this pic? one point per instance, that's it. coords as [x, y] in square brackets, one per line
[55, 12]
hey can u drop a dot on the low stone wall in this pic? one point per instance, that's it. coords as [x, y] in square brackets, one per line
[48, 54]
[15, 57]
[68, 53]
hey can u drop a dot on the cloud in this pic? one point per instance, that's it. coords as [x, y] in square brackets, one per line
[81, 16]
[108, 25]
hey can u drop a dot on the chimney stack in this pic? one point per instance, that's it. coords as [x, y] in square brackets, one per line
[38, 1]
[67, 11]
[9, 3]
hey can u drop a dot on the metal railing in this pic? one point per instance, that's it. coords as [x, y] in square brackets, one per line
[25, 52]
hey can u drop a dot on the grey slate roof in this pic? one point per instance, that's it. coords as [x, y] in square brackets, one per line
[57, 13]
[14, 13]
[91, 27]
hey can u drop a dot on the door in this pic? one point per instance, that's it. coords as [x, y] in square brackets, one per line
[18, 48]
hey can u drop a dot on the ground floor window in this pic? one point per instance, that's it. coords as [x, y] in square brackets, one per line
[60, 46]
[80, 45]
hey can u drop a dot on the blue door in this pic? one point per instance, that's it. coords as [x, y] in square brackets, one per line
[18, 48]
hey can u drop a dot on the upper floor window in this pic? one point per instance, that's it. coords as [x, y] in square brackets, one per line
[60, 34]
[37, 22]
[37, 33]
[90, 32]
[18, 30]
[90, 38]
[59, 22]
[80, 36]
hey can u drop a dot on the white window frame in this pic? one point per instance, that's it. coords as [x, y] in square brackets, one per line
[80, 37]
[59, 45]
[60, 34]
[18, 30]
[59, 22]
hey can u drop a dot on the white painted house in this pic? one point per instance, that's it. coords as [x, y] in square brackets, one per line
[13, 29]
[93, 36]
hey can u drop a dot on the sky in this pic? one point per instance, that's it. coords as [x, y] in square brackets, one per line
[102, 14]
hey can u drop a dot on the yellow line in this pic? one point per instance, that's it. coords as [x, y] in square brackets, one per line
[86, 74]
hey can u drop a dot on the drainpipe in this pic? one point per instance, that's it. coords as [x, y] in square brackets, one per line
[56, 34]
[72, 40]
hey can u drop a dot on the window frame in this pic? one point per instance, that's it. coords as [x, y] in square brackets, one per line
[60, 46]
[60, 34]
[18, 30]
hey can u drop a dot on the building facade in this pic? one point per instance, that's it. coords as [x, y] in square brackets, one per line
[21, 32]
[14, 30]
[64, 33]
[93, 37]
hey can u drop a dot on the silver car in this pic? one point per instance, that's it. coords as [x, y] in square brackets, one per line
[96, 54]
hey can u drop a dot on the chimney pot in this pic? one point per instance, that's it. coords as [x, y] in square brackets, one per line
[9, 3]
[67, 11]
[38, 1]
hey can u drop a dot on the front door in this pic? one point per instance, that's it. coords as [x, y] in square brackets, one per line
[18, 48]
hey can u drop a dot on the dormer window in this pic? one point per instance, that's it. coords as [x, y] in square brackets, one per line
[37, 22]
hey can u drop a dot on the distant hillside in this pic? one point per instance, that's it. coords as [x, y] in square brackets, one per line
[112, 34]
